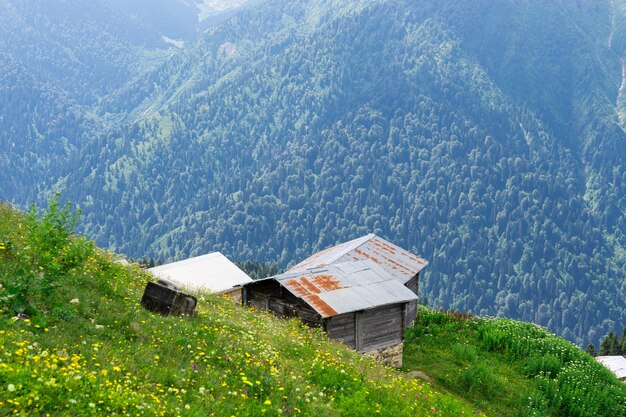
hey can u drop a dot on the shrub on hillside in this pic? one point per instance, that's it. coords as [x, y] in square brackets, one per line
[41, 257]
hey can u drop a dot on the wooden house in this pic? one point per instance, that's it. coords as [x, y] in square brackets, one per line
[357, 302]
[210, 273]
[397, 262]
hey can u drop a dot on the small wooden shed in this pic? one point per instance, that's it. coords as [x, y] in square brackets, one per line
[210, 273]
[357, 302]
[396, 261]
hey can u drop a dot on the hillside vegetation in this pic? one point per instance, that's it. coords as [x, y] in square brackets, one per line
[74, 341]
[511, 368]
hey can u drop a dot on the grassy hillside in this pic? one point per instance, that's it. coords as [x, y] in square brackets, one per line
[511, 368]
[74, 341]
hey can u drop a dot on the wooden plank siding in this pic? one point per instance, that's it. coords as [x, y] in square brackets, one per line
[260, 303]
[274, 299]
[382, 326]
[260, 296]
[412, 284]
[369, 329]
[342, 328]
[411, 310]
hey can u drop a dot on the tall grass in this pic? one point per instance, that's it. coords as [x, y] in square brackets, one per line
[513, 368]
[572, 382]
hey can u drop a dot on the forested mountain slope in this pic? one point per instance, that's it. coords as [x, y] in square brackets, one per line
[59, 60]
[483, 135]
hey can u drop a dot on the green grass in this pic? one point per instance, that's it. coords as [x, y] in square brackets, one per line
[74, 341]
[511, 368]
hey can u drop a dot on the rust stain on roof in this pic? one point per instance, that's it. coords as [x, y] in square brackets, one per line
[302, 286]
[311, 288]
[384, 246]
[367, 255]
[308, 285]
[296, 288]
[327, 282]
[388, 247]
[321, 306]
[326, 256]
[381, 259]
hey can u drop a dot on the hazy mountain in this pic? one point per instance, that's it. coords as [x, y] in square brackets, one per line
[485, 136]
[60, 59]
[181, 20]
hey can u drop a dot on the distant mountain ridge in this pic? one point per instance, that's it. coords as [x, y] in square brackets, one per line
[484, 136]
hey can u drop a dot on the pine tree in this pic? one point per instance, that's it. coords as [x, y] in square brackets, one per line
[609, 345]
[591, 349]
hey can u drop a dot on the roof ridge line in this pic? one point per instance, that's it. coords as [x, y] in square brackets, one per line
[359, 241]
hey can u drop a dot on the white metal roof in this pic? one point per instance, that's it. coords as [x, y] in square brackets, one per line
[616, 364]
[345, 287]
[212, 272]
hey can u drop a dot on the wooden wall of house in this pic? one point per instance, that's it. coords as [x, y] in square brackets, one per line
[411, 311]
[369, 329]
[259, 294]
[342, 327]
[269, 295]
[234, 294]
[382, 326]
[362, 330]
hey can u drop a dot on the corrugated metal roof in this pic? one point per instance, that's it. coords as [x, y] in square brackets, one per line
[212, 272]
[398, 262]
[345, 287]
[616, 364]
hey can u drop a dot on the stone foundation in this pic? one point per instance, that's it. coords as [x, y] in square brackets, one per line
[388, 355]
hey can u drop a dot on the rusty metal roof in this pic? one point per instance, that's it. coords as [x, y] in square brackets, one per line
[345, 287]
[398, 262]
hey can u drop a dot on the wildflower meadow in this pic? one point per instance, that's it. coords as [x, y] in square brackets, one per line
[78, 343]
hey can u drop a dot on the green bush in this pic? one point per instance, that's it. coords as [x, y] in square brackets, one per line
[47, 252]
[548, 365]
[571, 381]
[434, 322]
